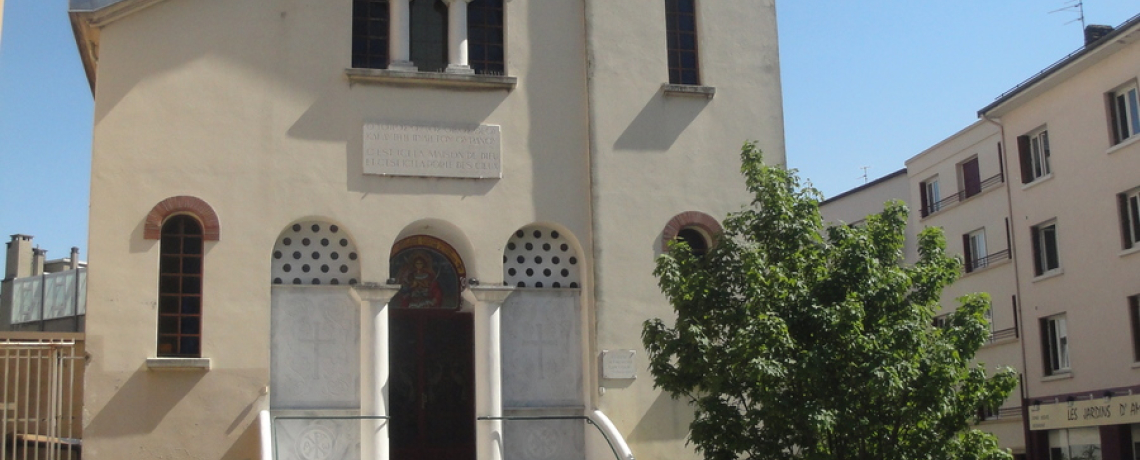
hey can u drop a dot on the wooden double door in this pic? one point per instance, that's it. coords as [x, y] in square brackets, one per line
[432, 385]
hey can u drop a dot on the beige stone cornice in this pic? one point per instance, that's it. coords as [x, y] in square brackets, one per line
[86, 25]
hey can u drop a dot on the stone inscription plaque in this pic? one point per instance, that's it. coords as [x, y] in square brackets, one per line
[618, 364]
[473, 152]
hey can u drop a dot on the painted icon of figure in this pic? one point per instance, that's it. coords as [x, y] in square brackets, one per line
[419, 283]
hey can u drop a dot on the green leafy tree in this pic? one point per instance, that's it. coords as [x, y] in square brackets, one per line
[797, 342]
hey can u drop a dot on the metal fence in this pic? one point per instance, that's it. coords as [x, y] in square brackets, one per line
[42, 396]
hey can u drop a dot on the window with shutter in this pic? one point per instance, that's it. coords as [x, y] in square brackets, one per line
[1045, 254]
[930, 196]
[1124, 113]
[1055, 344]
[1134, 317]
[1034, 153]
[974, 247]
[1129, 206]
[971, 178]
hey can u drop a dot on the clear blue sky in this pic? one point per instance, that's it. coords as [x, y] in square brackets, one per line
[866, 83]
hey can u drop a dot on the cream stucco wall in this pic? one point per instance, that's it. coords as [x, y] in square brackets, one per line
[656, 156]
[986, 211]
[245, 104]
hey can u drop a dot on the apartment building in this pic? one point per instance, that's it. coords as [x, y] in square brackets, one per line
[1041, 197]
[1073, 159]
[959, 185]
[41, 294]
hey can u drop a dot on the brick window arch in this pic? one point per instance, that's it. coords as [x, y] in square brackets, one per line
[181, 224]
[689, 225]
[205, 214]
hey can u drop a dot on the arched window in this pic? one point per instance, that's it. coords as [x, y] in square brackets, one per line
[180, 288]
[540, 257]
[370, 34]
[698, 242]
[315, 253]
[696, 228]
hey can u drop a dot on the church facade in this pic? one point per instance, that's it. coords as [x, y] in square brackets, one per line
[403, 229]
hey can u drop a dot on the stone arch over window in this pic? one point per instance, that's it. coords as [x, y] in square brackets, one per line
[692, 226]
[538, 256]
[315, 252]
[152, 228]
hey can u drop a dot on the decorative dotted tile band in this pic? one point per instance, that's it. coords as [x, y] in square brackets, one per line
[315, 253]
[538, 257]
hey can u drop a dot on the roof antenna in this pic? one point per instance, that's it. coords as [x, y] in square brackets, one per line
[864, 168]
[1077, 6]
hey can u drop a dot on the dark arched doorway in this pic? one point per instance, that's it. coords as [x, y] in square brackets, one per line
[432, 380]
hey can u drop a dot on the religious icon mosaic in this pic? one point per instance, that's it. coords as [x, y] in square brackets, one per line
[429, 272]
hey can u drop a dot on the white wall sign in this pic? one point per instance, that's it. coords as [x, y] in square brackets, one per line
[473, 152]
[1116, 410]
[618, 364]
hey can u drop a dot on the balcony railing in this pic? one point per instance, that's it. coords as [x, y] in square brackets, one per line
[983, 262]
[1004, 413]
[1003, 334]
[618, 446]
[961, 195]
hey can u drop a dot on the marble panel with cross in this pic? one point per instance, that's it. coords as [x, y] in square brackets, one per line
[541, 349]
[315, 356]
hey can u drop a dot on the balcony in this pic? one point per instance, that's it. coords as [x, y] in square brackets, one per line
[960, 196]
[983, 262]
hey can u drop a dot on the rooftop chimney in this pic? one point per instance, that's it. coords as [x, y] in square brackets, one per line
[1094, 32]
[74, 258]
[38, 256]
[19, 262]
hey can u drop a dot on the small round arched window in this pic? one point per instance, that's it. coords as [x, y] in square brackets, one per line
[697, 229]
[696, 239]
